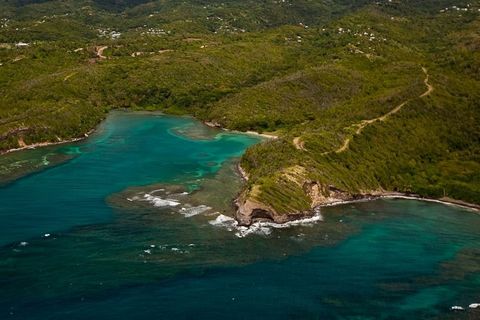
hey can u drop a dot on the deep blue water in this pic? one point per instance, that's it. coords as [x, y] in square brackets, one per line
[108, 257]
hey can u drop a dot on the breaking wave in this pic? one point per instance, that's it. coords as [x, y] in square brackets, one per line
[156, 200]
[261, 228]
[159, 202]
[193, 211]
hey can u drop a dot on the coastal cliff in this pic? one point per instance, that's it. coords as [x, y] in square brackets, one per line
[252, 208]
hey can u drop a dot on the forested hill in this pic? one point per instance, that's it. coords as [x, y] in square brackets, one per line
[364, 96]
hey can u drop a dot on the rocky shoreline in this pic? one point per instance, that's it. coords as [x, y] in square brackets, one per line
[43, 144]
[46, 144]
[250, 210]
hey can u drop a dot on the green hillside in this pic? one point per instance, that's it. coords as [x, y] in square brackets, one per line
[364, 96]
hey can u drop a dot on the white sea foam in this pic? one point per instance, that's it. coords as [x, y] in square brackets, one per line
[224, 221]
[23, 244]
[458, 308]
[474, 305]
[261, 228]
[193, 211]
[159, 202]
[301, 222]
[253, 229]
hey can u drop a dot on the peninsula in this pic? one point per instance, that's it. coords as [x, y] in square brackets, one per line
[363, 98]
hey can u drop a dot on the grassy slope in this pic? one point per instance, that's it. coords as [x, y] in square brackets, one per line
[311, 83]
[430, 147]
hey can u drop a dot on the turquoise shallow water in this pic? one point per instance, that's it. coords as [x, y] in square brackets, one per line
[129, 150]
[111, 258]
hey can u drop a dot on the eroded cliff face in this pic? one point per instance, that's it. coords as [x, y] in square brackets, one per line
[324, 195]
[251, 210]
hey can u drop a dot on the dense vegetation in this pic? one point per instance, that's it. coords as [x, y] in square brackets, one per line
[309, 71]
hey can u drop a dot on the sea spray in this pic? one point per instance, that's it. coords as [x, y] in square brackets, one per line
[263, 228]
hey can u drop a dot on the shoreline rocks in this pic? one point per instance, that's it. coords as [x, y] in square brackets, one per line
[249, 210]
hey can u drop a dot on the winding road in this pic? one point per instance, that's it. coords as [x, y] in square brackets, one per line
[364, 123]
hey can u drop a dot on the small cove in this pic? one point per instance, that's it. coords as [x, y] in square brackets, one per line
[111, 258]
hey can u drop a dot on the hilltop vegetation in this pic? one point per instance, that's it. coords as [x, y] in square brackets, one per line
[310, 71]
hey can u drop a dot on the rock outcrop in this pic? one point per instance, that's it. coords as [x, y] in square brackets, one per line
[325, 195]
[251, 210]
